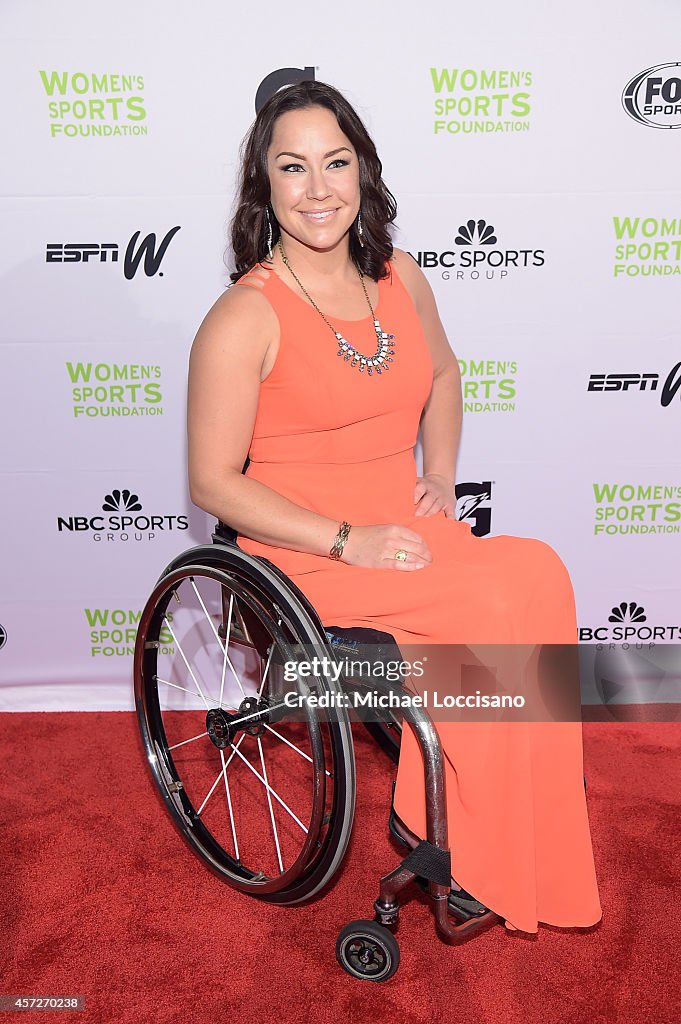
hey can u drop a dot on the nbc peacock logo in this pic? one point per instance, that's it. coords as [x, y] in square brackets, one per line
[124, 523]
[624, 612]
[476, 232]
[121, 501]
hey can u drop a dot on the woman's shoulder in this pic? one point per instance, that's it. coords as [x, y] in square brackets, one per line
[247, 296]
[411, 276]
[242, 309]
[252, 280]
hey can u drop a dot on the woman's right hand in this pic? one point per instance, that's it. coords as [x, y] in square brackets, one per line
[374, 547]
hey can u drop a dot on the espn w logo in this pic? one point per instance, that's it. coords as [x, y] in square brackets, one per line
[105, 252]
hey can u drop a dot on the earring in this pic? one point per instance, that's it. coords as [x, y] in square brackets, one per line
[359, 228]
[269, 233]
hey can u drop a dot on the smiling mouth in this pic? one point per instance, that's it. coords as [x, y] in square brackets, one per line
[320, 217]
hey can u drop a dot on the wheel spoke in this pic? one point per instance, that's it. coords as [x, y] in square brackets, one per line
[228, 631]
[271, 809]
[229, 803]
[267, 667]
[184, 658]
[177, 686]
[219, 775]
[294, 747]
[174, 746]
[217, 635]
[272, 791]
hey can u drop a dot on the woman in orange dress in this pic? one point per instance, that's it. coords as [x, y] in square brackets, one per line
[321, 367]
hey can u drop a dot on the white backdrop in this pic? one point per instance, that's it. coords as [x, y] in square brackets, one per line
[126, 126]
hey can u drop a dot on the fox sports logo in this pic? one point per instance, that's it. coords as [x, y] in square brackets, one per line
[653, 96]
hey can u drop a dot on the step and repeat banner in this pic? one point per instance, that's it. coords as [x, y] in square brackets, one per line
[534, 155]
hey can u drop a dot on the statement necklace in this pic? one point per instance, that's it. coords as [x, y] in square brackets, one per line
[386, 344]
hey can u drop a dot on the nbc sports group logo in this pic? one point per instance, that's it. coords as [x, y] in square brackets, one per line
[478, 256]
[123, 523]
[628, 624]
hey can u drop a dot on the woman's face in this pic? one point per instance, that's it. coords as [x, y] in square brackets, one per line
[314, 177]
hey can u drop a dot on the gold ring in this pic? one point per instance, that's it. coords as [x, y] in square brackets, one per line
[401, 555]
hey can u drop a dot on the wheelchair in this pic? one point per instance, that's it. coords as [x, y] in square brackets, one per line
[262, 790]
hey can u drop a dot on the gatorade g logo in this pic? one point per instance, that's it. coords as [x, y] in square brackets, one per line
[277, 80]
[473, 505]
[653, 97]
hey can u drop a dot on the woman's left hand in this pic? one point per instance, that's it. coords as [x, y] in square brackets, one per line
[433, 494]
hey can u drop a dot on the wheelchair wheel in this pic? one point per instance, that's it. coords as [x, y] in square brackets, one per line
[368, 950]
[263, 794]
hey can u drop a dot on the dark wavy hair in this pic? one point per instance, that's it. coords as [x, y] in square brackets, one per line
[377, 204]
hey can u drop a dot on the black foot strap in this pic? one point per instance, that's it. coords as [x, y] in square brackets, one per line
[430, 863]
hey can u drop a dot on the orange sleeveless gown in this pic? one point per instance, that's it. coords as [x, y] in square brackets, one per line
[342, 444]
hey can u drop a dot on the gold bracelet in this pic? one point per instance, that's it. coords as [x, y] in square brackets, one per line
[339, 541]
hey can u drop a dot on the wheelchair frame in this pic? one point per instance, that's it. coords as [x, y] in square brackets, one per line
[366, 949]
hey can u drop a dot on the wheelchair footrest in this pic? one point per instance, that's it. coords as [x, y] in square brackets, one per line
[428, 868]
[460, 902]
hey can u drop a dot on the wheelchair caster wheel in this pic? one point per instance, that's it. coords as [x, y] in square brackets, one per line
[367, 950]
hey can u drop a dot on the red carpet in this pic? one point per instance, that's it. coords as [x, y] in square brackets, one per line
[102, 898]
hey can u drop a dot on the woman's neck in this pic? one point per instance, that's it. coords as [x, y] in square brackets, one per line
[318, 264]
